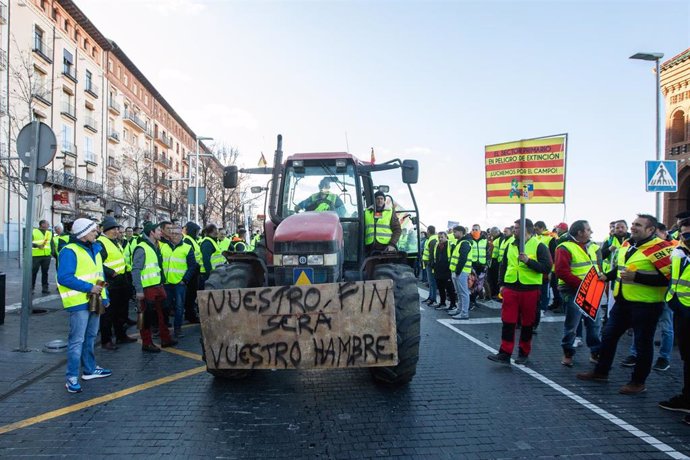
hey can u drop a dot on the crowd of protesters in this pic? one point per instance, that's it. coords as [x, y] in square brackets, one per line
[643, 267]
[103, 269]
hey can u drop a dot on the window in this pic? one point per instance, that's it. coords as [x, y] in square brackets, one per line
[68, 104]
[89, 154]
[66, 26]
[68, 64]
[54, 15]
[110, 65]
[125, 134]
[89, 82]
[38, 39]
[678, 127]
[136, 89]
[67, 138]
[126, 79]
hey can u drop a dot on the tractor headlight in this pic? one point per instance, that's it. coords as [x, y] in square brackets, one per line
[315, 260]
[330, 259]
[290, 259]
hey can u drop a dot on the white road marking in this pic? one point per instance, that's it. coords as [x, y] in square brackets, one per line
[652, 441]
[39, 300]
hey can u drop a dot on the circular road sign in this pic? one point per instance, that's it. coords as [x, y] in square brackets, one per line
[47, 145]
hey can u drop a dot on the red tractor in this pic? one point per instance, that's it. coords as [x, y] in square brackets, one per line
[310, 281]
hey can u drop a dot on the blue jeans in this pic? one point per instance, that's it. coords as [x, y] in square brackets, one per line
[432, 283]
[666, 325]
[176, 294]
[573, 318]
[463, 291]
[642, 317]
[83, 328]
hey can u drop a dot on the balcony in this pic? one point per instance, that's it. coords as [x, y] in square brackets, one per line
[148, 132]
[90, 124]
[3, 13]
[114, 136]
[70, 72]
[68, 148]
[148, 155]
[68, 180]
[679, 148]
[114, 107]
[164, 139]
[167, 162]
[45, 97]
[91, 88]
[161, 181]
[90, 158]
[42, 50]
[3, 59]
[114, 163]
[69, 110]
[134, 120]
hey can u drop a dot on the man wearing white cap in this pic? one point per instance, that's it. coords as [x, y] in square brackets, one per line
[80, 273]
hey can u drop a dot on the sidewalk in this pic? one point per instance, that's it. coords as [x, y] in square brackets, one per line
[13, 282]
[20, 368]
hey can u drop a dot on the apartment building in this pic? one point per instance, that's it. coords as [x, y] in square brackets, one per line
[675, 88]
[121, 145]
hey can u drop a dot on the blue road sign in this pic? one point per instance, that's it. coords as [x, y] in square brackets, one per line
[661, 176]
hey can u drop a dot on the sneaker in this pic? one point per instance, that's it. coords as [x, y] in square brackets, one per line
[97, 373]
[72, 385]
[432, 304]
[473, 306]
[593, 376]
[453, 311]
[678, 403]
[661, 365]
[521, 359]
[462, 317]
[594, 358]
[577, 342]
[567, 361]
[441, 306]
[500, 357]
[630, 361]
[632, 388]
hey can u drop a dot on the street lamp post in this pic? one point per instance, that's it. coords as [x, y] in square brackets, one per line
[655, 57]
[196, 178]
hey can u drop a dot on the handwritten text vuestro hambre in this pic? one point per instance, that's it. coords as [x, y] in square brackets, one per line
[334, 325]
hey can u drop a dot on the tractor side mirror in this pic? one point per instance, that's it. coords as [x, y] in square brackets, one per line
[257, 189]
[230, 176]
[410, 171]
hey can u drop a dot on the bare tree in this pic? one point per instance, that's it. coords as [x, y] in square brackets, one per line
[134, 184]
[28, 86]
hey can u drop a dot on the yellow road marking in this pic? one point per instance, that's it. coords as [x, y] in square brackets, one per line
[101, 399]
[186, 354]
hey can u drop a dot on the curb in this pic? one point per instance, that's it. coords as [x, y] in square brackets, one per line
[40, 300]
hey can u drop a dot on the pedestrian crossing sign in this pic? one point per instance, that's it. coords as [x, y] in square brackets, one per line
[661, 176]
[303, 276]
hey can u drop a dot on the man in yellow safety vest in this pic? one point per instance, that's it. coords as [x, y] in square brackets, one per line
[179, 265]
[381, 226]
[41, 248]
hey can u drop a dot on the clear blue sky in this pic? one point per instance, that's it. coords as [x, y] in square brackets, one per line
[435, 81]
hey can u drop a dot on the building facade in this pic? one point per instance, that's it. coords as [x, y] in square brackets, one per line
[120, 144]
[675, 88]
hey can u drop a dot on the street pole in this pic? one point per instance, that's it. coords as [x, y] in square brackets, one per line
[658, 132]
[196, 184]
[189, 181]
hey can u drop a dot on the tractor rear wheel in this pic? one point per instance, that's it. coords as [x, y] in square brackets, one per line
[407, 321]
[233, 276]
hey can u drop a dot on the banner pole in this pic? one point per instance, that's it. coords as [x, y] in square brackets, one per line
[522, 228]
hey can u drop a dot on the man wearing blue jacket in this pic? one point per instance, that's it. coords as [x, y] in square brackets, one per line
[80, 274]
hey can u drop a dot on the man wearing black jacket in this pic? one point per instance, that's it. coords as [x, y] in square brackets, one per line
[520, 277]
[115, 316]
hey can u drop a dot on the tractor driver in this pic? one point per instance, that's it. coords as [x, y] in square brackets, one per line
[323, 201]
[381, 226]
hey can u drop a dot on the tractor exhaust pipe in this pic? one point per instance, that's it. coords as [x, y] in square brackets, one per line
[277, 171]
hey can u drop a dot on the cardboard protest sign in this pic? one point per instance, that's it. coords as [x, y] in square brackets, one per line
[335, 325]
[590, 292]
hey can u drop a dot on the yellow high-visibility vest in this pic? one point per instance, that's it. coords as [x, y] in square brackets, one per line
[87, 270]
[39, 237]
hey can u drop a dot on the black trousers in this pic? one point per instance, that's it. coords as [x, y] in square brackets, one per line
[190, 308]
[683, 334]
[115, 316]
[446, 289]
[42, 262]
[493, 276]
